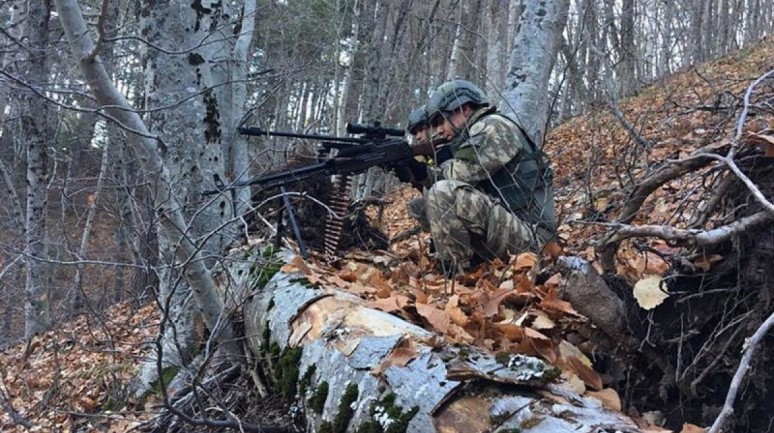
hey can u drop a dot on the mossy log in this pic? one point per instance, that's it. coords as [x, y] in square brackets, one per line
[349, 368]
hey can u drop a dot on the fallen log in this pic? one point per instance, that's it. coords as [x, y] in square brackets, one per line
[349, 368]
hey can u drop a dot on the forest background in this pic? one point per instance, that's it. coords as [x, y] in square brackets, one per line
[103, 168]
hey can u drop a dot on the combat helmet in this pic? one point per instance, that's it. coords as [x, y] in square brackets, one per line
[451, 95]
[416, 118]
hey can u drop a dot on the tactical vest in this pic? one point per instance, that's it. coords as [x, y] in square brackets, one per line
[524, 184]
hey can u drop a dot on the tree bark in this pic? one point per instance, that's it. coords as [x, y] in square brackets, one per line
[35, 132]
[149, 148]
[349, 367]
[535, 48]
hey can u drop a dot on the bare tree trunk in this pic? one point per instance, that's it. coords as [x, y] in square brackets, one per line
[535, 49]
[149, 148]
[79, 294]
[454, 57]
[627, 79]
[667, 39]
[34, 117]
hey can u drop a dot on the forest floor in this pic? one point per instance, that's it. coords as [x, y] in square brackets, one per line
[76, 377]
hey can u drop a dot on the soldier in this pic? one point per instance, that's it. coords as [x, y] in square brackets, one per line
[495, 196]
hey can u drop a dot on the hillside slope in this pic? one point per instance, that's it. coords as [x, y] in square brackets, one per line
[73, 379]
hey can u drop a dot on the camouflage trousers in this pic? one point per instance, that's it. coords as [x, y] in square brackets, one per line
[465, 223]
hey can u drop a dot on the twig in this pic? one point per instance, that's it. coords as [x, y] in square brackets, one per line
[5, 403]
[744, 365]
[689, 236]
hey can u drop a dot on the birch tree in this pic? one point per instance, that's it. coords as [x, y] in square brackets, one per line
[34, 112]
[183, 150]
[535, 48]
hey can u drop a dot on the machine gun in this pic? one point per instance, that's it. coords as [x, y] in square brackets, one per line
[375, 146]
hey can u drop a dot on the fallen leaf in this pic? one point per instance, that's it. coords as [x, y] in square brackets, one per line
[543, 347]
[438, 319]
[524, 261]
[510, 331]
[648, 292]
[691, 428]
[609, 398]
[590, 377]
[457, 316]
[296, 265]
[552, 302]
[542, 321]
[388, 305]
[567, 350]
[360, 289]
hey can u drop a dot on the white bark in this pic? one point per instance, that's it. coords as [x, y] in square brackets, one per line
[535, 48]
[34, 113]
[345, 344]
[148, 148]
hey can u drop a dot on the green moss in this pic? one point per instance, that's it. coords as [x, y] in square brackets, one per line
[399, 419]
[370, 426]
[531, 422]
[317, 400]
[274, 349]
[287, 373]
[266, 337]
[326, 427]
[345, 412]
[464, 352]
[266, 266]
[503, 357]
[306, 380]
[166, 376]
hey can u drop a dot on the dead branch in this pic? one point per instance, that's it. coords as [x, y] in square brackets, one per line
[405, 234]
[627, 125]
[744, 365]
[746, 108]
[756, 192]
[687, 237]
[667, 173]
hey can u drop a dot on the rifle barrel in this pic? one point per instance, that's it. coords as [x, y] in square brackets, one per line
[259, 132]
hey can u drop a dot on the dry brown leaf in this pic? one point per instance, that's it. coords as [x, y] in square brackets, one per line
[360, 289]
[609, 398]
[457, 316]
[553, 303]
[388, 305]
[348, 276]
[544, 348]
[336, 281]
[586, 373]
[691, 428]
[296, 265]
[510, 331]
[438, 319]
[554, 282]
[524, 261]
[460, 335]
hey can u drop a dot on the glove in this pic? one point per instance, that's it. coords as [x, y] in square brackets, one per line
[412, 171]
[443, 154]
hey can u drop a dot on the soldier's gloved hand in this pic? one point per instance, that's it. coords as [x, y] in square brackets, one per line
[442, 154]
[412, 171]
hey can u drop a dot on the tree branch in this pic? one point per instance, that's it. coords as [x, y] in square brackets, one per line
[688, 236]
[736, 382]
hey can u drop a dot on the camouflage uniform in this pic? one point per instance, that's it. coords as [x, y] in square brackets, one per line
[494, 197]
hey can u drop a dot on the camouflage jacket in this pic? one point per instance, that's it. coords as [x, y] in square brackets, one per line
[495, 155]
